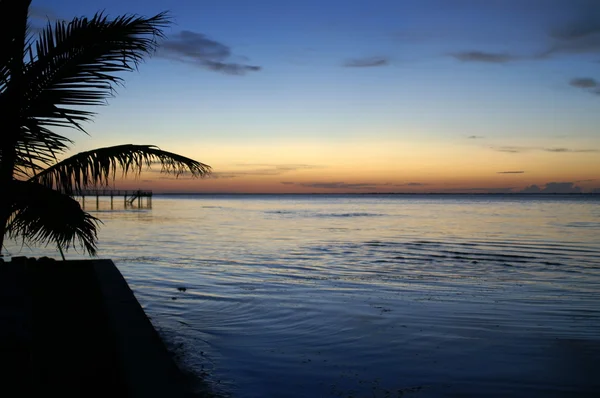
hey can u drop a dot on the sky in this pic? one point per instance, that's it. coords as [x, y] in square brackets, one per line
[351, 96]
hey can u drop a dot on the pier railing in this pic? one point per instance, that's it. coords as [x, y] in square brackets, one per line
[114, 192]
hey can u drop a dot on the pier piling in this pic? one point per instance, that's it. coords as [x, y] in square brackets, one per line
[129, 197]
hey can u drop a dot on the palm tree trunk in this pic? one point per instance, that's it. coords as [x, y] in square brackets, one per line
[11, 115]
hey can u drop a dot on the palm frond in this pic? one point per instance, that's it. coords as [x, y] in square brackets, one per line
[42, 215]
[37, 147]
[99, 166]
[77, 63]
[74, 65]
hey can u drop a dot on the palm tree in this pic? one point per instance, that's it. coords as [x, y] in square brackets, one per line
[47, 84]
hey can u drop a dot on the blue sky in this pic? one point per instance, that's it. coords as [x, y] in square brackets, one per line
[364, 95]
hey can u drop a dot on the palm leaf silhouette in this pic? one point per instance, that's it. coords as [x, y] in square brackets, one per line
[43, 215]
[98, 167]
[50, 83]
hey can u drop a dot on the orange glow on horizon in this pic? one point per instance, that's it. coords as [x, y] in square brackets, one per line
[354, 167]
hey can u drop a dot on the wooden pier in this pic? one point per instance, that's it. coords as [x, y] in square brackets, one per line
[129, 197]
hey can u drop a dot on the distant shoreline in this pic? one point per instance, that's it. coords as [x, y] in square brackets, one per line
[382, 193]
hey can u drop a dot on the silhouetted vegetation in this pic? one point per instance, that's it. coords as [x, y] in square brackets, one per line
[47, 80]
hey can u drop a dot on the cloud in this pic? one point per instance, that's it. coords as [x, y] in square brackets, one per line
[486, 57]
[561, 187]
[481, 190]
[411, 184]
[284, 167]
[344, 185]
[266, 169]
[217, 175]
[578, 35]
[171, 177]
[340, 185]
[511, 172]
[475, 137]
[367, 62]
[563, 150]
[197, 49]
[578, 29]
[553, 187]
[511, 149]
[520, 149]
[532, 189]
[262, 170]
[584, 82]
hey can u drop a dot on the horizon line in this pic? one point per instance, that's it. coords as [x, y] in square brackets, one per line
[377, 193]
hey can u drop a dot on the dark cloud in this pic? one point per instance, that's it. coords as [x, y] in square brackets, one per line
[579, 29]
[580, 34]
[584, 82]
[520, 149]
[282, 167]
[263, 170]
[512, 172]
[197, 49]
[532, 189]
[563, 150]
[340, 185]
[344, 185]
[511, 149]
[267, 169]
[411, 184]
[561, 187]
[482, 56]
[180, 178]
[553, 187]
[217, 175]
[367, 62]
[475, 137]
[589, 45]
[481, 190]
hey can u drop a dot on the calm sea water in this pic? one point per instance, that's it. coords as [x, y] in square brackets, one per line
[369, 296]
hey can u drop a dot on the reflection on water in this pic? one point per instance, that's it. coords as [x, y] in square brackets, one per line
[374, 296]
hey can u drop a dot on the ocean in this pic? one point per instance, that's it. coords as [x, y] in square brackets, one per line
[367, 295]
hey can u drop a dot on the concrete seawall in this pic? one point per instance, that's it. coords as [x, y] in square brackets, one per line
[75, 328]
[147, 367]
